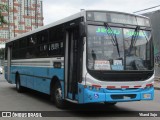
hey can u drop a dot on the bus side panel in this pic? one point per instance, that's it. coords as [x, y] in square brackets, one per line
[58, 72]
[20, 71]
[42, 85]
[37, 78]
[41, 79]
[12, 74]
[30, 82]
[23, 80]
[45, 75]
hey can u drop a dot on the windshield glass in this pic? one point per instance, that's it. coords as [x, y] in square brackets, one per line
[133, 51]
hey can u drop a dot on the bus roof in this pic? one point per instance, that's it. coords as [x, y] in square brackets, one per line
[72, 17]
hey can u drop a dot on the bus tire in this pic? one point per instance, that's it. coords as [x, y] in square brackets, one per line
[57, 96]
[19, 88]
[110, 103]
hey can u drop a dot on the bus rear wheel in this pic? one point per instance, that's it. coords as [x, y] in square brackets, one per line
[18, 84]
[57, 96]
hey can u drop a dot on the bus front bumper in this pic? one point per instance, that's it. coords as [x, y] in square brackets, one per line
[90, 96]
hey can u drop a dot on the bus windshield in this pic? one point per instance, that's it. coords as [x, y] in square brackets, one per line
[133, 51]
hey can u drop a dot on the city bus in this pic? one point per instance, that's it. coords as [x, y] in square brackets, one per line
[90, 57]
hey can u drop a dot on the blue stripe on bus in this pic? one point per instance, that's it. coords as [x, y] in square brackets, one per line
[37, 78]
[39, 71]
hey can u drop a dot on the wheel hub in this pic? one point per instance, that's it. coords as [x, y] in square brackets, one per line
[58, 95]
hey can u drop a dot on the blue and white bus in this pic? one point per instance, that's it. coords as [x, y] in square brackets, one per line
[90, 57]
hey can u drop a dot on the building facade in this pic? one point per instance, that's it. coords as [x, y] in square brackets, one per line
[22, 16]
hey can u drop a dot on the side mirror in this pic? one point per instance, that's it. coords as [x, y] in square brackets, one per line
[82, 29]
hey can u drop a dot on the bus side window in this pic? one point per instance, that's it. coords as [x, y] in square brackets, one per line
[32, 40]
[43, 50]
[62, 48]
[54, 49]
[15, 53]
[42, 46]
[42, 37]
[56, 40]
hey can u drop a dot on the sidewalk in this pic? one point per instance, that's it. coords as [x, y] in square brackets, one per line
[157, 83]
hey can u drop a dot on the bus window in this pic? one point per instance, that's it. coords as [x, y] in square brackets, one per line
[22, 53]
[23, 43]
[16, 45]
[32, 40]
[52, 34]
[56, 34]
[61, 48]
[43, 50]
[54, 49]
[42, 37]
[31, 52]
[15, 53]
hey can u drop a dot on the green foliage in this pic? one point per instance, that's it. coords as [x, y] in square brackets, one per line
[3, 8]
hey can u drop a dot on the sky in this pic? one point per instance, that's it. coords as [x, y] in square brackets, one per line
[54, 10]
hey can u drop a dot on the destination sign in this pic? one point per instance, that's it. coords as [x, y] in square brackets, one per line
[116, 31]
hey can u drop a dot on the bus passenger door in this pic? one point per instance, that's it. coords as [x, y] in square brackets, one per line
[72, 63]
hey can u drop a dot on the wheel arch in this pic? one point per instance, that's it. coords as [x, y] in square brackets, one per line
[53, 82]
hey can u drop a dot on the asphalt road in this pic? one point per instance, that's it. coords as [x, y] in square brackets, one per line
[11, 100]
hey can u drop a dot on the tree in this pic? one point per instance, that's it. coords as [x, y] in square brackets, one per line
[3, 8]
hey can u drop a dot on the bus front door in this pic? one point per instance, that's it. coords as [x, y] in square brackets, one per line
[72, 63]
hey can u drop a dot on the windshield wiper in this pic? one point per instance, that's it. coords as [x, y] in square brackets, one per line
[113, 36]
[134, 38]
[147, 39]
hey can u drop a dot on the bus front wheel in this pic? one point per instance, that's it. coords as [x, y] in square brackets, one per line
[18, 84]
[57, 96]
